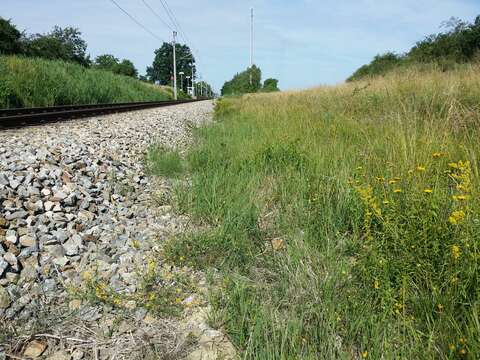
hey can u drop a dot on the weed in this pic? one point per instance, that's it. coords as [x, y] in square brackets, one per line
[164, 162]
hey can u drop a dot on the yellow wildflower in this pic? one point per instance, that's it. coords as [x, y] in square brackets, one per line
[428, 191]
[376, 284]
[136, 244]
[456, 217]
[463, 351]
[456, 252]
[399, 308]
[436, 155]
[460, 197]
[453, 165]
[397, 191]
[451, 347]
[386, 202]
[421, 168]
[391, 182]
[410, 172]
[380, 179]
[152, 264]
[440, 307]
[462, 341]
[364, 354]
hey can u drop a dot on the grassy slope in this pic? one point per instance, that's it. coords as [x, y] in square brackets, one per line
[26, 82]
[343, 221]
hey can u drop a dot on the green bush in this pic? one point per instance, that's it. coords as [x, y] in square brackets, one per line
[460, 43]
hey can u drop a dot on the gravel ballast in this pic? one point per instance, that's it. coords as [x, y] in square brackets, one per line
[76, 207]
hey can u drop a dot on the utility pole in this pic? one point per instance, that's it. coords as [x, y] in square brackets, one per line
[251, 37]
[174, 66]
[193, 80]
[181, 80]
[251, 44]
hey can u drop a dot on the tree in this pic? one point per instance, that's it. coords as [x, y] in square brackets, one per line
[162, 66]
[248, 81]
[111, 63]
[380, 65]
[459, 42]
[105, 62]
[126, 68]
[270, 85]
[62, 44]
[203, 89]
[9, 38]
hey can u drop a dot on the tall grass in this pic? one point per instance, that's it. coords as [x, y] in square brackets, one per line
[26, 82]
[344, 220]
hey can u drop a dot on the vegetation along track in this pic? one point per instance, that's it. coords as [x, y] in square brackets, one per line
[12, 118]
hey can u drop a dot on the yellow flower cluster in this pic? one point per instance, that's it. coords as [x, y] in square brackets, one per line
[437, 155]
[456, 252]
[461, 174]
[399, 308]
[101, 292]
[371, 205]
[152, 265]
[456, 217]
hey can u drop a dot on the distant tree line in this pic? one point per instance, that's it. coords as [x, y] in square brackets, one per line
[59, 44]
[249, 81]
[459, 43]
[67, 44]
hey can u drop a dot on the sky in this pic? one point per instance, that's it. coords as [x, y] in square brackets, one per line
[303, 43]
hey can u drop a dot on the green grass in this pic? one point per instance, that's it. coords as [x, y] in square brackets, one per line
[164, 162]
[344, 220]
[27, 82]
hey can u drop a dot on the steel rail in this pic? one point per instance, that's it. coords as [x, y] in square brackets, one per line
[19, 117]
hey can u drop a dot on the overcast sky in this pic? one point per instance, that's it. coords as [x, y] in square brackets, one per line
[301, 42]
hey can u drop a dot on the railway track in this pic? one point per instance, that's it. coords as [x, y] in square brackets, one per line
[19, 117]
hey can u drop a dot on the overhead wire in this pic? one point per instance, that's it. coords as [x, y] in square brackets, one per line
[137, 22]
[157, 15]
[171, 15]
[177, 24]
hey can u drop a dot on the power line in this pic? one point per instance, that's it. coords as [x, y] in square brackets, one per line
[169, 14]
[158, 16]
[175, 21]
[179, 28]
[137, 22]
